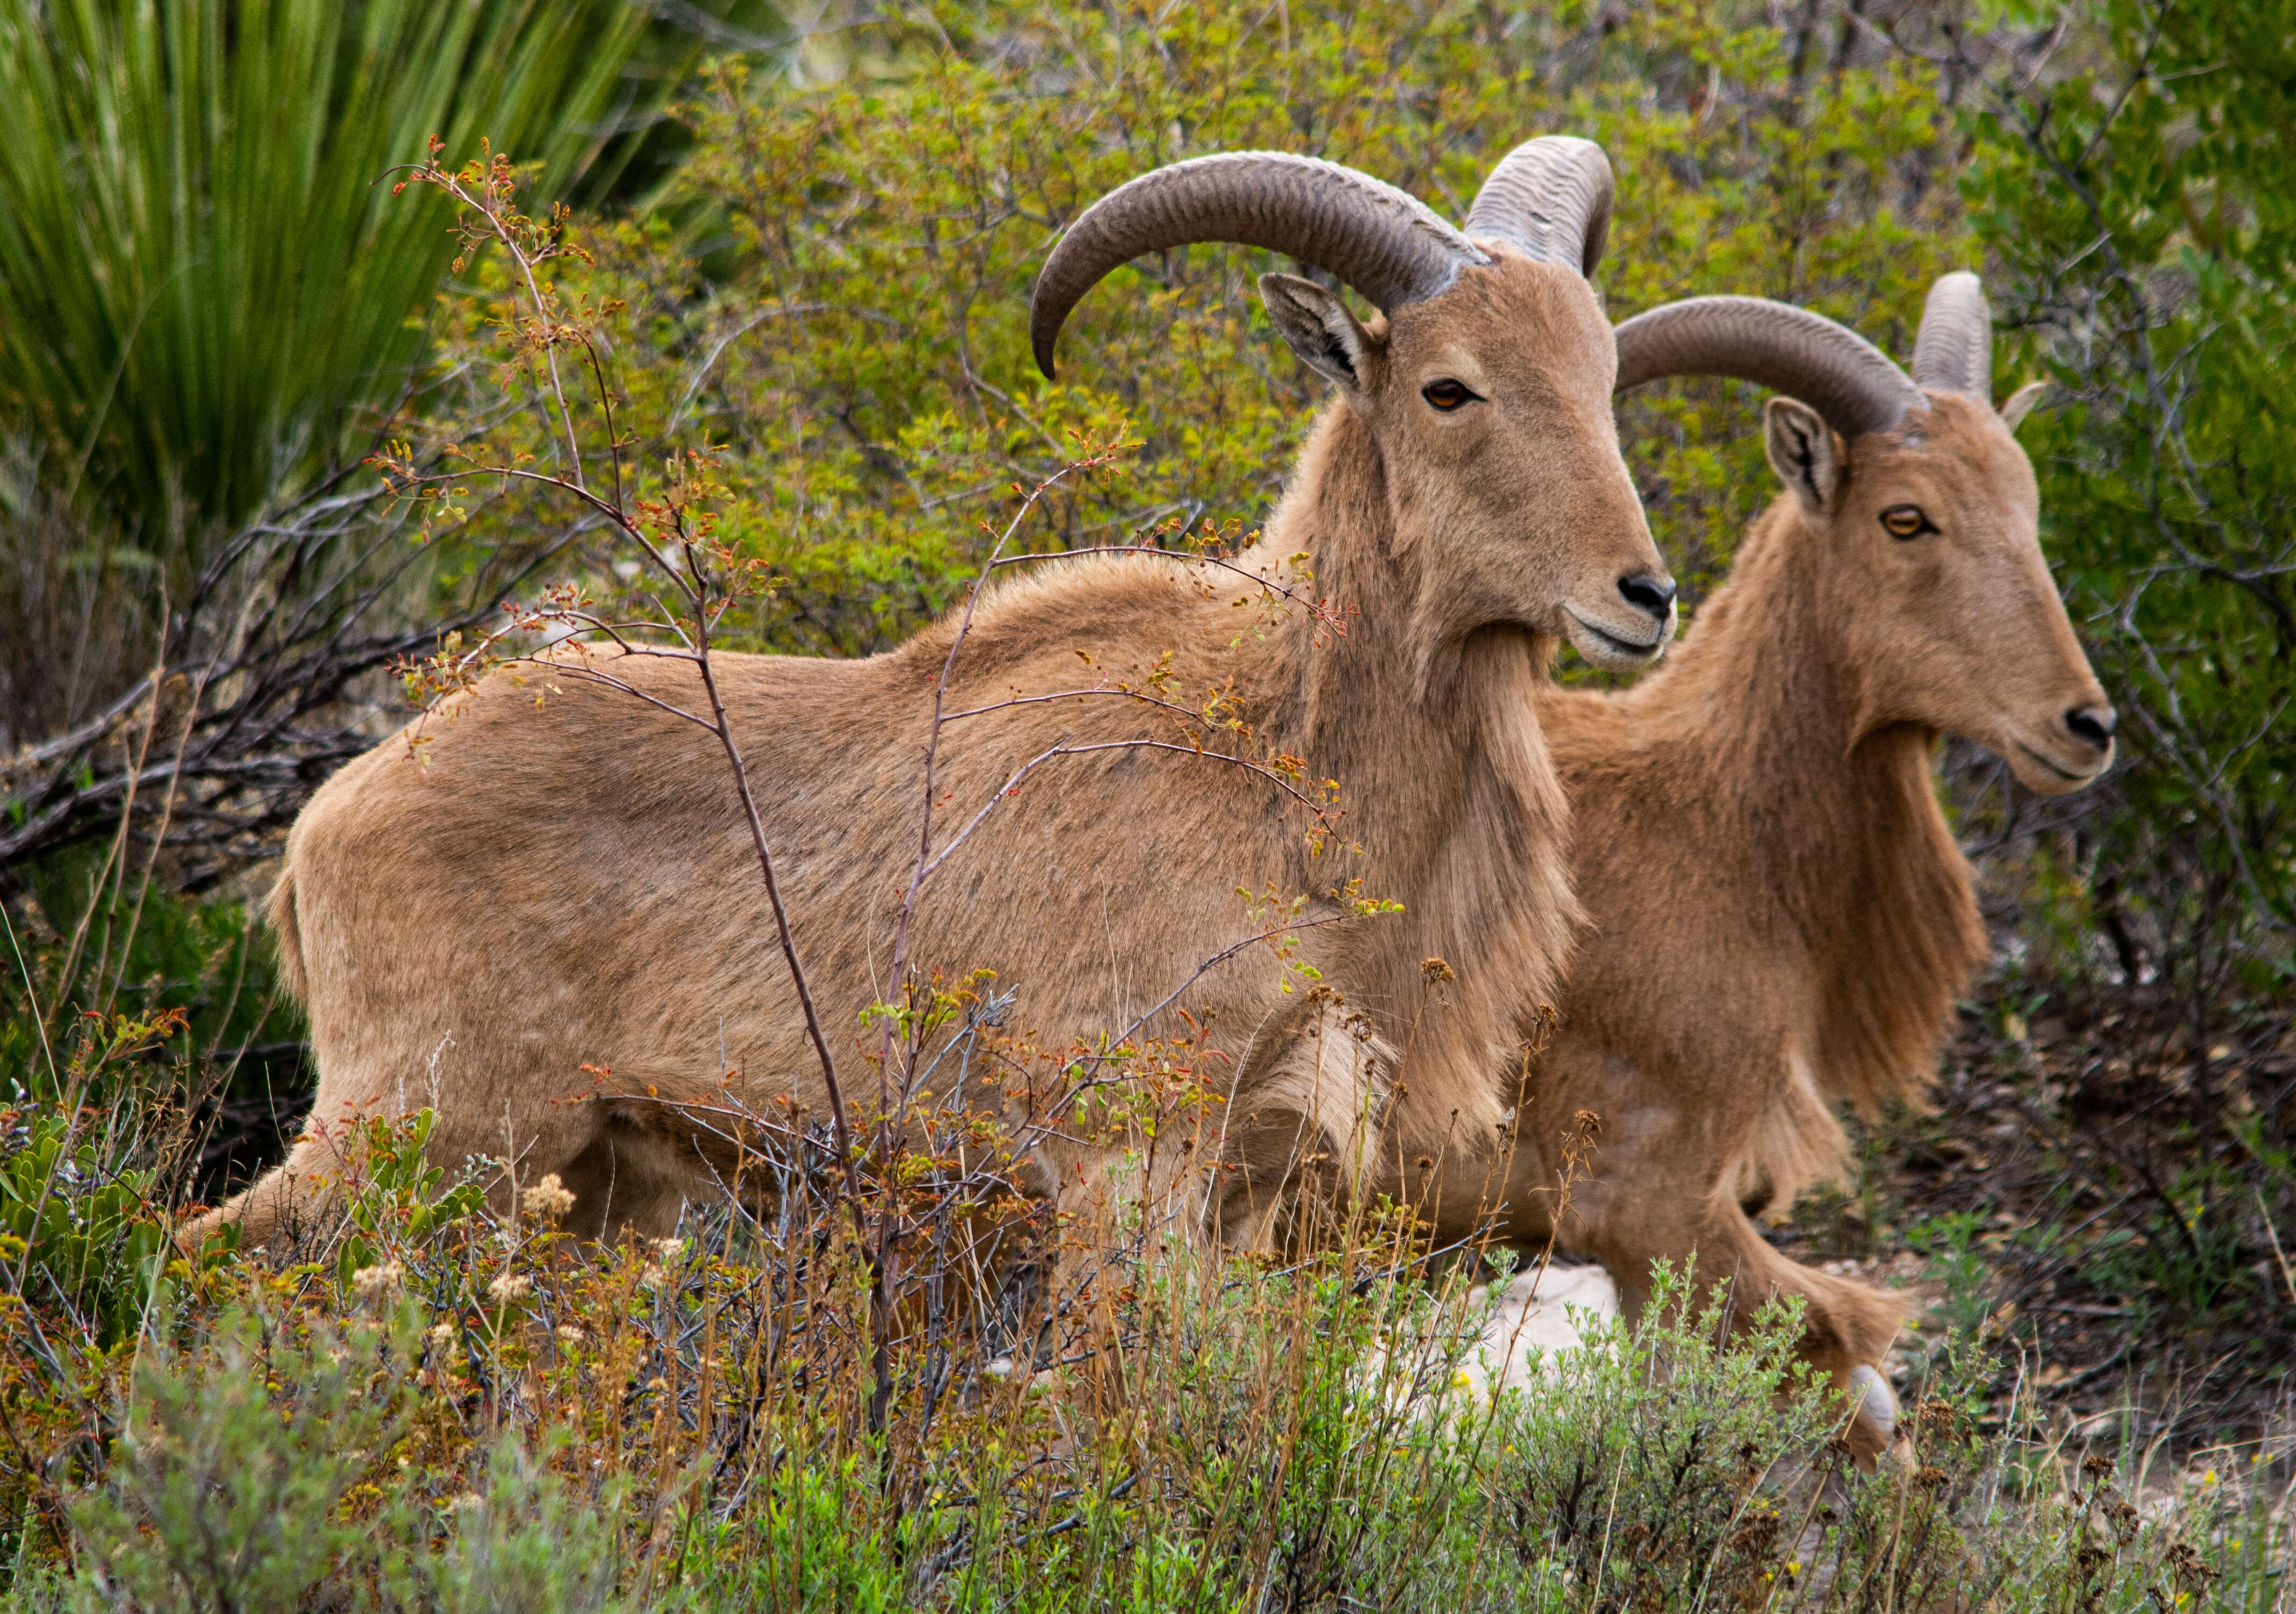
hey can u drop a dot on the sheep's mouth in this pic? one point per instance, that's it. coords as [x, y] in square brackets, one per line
[1599, 644]
[2057, 768]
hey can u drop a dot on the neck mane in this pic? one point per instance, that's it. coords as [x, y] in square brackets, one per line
[1830, 824]
[1445, 783]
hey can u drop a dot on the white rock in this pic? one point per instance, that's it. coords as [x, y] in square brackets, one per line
[1540, 1313]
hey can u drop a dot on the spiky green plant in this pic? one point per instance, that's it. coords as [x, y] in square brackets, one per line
[200, 278]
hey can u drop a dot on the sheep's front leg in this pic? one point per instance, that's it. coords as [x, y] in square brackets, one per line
[1847, 1326]
[1627, 1166]
[1297, 1138]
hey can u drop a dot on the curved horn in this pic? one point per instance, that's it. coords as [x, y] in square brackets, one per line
[1954, 352]
[1830, 368]
[1385, 243]
[1551, 197]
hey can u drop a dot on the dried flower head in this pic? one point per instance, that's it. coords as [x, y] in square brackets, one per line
[547, 1201]
[510, 1286]
[379, 1282]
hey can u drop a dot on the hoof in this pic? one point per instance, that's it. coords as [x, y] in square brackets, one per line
[1873, 1429]
[1877, 1406]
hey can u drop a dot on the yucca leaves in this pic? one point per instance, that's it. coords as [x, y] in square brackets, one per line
[201, 280]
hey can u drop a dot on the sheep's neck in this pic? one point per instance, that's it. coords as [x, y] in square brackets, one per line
[1405, 721]
[1778, 696]
[1445, 780]
[1837, 824]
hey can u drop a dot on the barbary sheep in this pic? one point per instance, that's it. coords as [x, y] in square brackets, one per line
[1779, 917]
[572, 885]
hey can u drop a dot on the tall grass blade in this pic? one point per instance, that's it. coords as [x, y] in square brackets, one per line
[201, 280]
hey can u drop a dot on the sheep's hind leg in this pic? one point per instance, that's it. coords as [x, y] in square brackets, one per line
[294, 1202]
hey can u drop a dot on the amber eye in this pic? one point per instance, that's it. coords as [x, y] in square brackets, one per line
[1906, 522]
[1445, 394]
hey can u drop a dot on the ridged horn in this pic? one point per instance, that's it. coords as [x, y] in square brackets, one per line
[1954, 352]
[1382, 241]
[1551, 197]
[1830, 368]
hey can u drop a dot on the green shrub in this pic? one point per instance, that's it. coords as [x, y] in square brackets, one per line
[834, 286]
[83, 1235]
[526, 1544]
[95, 936]
[2136, 196]
[231, 1463]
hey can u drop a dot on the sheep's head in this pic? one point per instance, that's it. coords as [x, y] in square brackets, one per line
[1920, 492]
[1484, 386]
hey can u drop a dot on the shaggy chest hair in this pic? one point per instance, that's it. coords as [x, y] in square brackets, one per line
[1778, 914]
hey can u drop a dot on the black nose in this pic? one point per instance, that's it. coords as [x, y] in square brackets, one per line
[1644, 592]
[2092, 723]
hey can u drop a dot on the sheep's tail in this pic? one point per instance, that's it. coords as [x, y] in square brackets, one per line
[280, 911]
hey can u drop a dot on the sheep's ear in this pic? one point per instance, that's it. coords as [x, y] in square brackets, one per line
[2020, 403]
[1805, 453]
[1320, 329]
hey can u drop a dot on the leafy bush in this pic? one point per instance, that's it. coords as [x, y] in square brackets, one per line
[84, 1240]
[231, 1463]
[646, 1429]
[834, 286]
[527, 1543]
[393, 1196]
[2134, 188]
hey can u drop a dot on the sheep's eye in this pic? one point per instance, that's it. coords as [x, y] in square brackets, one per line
[1445, 394]
[1906, 522]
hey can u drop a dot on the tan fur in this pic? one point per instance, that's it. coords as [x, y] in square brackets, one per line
[1779, 916]
[286, 941]
[572, 885]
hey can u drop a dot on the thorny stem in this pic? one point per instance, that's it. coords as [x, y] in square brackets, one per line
[606, 404]
[724, 732]
[889, 1124]
[694, 582]
[1066, 749]
[541, 313]
[881, 1263]
[1204, 969]
[1330, 617]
